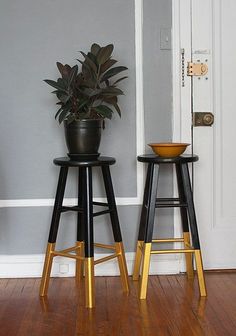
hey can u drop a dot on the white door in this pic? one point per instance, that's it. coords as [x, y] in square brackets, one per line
[204, 31]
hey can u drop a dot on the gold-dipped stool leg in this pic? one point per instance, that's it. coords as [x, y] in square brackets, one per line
[89, 282]
[47, 269]
[188, 256]
[200, 273]
[138, 259]
[122, 266]
[79, 267]
[145, 270]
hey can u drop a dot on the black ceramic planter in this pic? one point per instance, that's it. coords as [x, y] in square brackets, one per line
[83, 138]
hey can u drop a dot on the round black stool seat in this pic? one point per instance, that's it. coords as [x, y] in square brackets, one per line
[184, 202]
[100, 161]
[160, 159]
[83, 251]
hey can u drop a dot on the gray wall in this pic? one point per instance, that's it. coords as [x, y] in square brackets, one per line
[33, 36]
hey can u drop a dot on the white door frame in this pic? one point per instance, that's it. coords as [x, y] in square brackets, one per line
[181, 123]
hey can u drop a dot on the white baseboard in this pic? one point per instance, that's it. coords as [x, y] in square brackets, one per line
[29, 266]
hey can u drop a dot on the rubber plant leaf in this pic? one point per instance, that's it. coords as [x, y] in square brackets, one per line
[57, 85]
[108, 64]
[120, 79]
[112, 91]
[63, 69]
[89, 62]
[95, 49]
[112, 72]
[104, 111]
[63, 114]
[104, 54]
[73, 74]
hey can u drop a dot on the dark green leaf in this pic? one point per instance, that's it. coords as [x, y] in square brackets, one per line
[63, 97]
[82, 103]
[104, 54]
[87, 72]
[117, 109]
[109, 63]
[120, 79]
[93, 92]
[89, 83]
[63, 115]
[112, 72]
[63, 69]
[104, 111]
[95, 49]
[57, 85]
[89, 62]
[92, 57]
[63, 82]
[111, 100]
[112, 91]
[58, 112]
[73, 74]
[70, 118]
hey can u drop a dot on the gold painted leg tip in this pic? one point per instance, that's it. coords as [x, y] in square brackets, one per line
[126, 290]
[90, 306]
[203, 291]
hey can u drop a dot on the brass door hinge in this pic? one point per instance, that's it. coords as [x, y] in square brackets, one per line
[197, 69]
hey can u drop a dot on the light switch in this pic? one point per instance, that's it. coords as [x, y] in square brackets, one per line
[165, 40]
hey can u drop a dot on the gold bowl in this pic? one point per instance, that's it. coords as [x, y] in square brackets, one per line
[169, 149]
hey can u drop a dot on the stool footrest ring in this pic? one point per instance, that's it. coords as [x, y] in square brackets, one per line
[67, 255]
[80, 210]
[105, 246]
[168, 240]
[170, 205]
[112, 256]
[173, 251]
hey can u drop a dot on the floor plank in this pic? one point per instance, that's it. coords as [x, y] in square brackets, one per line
[172, 308]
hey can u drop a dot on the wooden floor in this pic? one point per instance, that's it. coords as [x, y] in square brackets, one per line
[172, 307]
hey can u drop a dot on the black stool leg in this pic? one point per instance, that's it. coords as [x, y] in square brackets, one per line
[115, 227]
[53, 231]
[151, 204]
[142, 228]
[80, 228]
[184, 221]
[193, 227]
[87, 218]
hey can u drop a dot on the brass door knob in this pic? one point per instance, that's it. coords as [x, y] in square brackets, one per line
[208, 119]
[203, 119]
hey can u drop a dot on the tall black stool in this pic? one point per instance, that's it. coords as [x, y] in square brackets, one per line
[188, 218]
[83, 251]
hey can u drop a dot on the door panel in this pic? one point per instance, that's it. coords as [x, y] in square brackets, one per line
[212, 42]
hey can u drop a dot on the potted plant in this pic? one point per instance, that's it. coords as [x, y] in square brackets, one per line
[86, 98]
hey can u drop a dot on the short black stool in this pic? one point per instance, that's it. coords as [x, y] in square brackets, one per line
[188, 219]
[83, 251]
